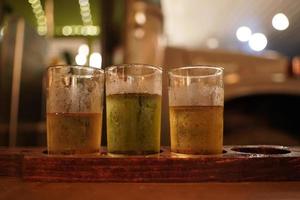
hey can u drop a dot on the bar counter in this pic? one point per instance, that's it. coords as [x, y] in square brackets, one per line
[14, 188]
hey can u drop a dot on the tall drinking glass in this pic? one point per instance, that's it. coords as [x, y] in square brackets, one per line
[133, 106]
[74, 109]
[196, 99]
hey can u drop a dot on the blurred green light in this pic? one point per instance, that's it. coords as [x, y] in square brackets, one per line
[42, 30]
[32, 1]
[36, 5]
[73, 30]
[67, 30]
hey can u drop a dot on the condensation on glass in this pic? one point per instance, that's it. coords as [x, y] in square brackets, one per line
[74, 109]
[133, 102]
[196, 99]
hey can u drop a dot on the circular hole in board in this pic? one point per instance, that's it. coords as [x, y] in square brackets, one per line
[261, 150]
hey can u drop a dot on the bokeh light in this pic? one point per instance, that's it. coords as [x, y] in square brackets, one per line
[95, 60]
[243, 33]
[80, 59]
[280, 22]
[258, 42]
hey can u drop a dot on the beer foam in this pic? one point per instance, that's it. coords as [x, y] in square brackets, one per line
[75, 94]
[196, 94]
[134, 84]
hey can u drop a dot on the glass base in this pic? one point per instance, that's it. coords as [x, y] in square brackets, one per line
[194, 153]
[132, 153]
[74, 152]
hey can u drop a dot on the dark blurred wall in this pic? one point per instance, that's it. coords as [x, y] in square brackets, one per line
[29, 97]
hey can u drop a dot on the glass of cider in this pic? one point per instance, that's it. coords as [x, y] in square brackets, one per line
[74, 109]
[196, 100]
[133, 108]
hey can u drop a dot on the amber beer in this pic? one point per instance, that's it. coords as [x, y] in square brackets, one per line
[74, 133]
[196, 129]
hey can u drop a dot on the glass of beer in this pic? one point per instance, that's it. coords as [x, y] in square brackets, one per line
[74, 109]
[196, 99]
[133, 107]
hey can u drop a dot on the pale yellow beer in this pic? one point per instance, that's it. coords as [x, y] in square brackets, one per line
[196, 101]
[196, 129]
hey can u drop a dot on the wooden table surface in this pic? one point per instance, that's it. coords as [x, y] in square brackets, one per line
[13, 188]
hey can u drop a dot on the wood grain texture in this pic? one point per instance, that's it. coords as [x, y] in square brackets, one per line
[265, 164]
[10, 162]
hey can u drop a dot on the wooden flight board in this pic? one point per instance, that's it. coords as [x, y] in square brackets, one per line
[236, 164]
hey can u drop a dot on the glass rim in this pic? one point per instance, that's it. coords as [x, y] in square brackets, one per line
[218, 72]
[126, 65]
[75, 66]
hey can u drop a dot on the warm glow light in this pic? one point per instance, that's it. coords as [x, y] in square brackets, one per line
[67, 30]
[39, 13]
[76, 30]
[258, 42]
[243, 33]
[280, 22]
[84, 49]
[80, 59]
[83, 2]
[85, 12]
[32, 1]
[37, 9]
[140, 18]
[42, 30]
[92, 30]
[232, 78]
[35, 5]
[139, 33]
[72, 30]
[296, 66]
[1, 32]
[95, 60]
[83, 31]
[212, 43]
[41, 21]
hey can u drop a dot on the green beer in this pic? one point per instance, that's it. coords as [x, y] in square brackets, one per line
[133, 123]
